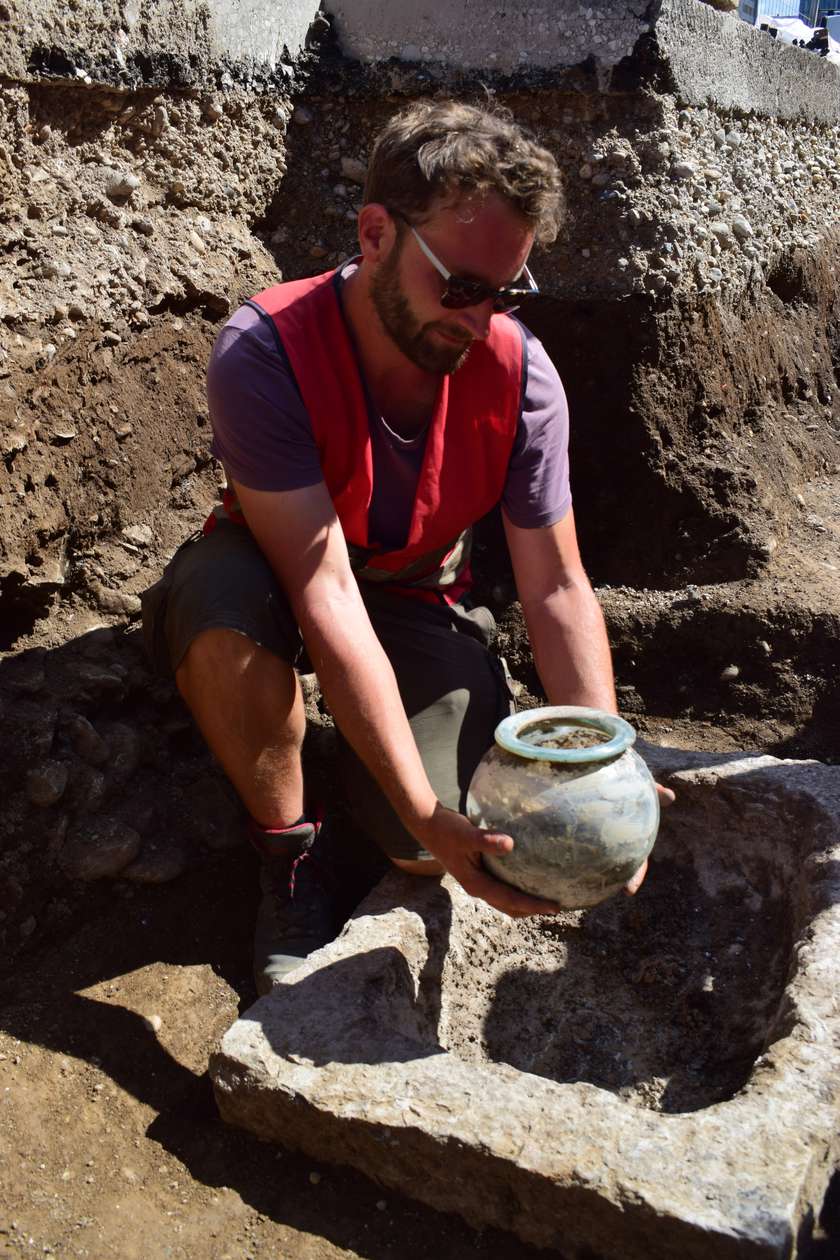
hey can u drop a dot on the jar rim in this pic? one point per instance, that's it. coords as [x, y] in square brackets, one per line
[511, 734]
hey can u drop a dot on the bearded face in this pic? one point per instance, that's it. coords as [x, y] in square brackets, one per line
[418, 341]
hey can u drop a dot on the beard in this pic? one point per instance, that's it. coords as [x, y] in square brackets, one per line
[415, 340]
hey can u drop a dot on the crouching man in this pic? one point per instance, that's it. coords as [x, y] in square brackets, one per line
[366, 418]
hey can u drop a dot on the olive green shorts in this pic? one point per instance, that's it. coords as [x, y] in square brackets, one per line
[454, 689]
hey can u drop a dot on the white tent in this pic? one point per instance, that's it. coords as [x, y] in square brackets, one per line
[790, 28]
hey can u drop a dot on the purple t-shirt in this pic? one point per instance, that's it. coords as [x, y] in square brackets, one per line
[263, 436]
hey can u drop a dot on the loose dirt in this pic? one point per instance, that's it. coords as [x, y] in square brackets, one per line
[113, 1144]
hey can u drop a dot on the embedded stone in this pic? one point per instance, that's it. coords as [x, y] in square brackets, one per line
[86, 740]
[13, 441]
[159, 862]
[722, 234]
[46, 784]
[124, 746]
[121, 184]
[118, 602]
[99, 849]
[139, 535]
[89, 789]
[215, 817]
[741, 227]
[94, 680]
[61, 434]
[354, 170]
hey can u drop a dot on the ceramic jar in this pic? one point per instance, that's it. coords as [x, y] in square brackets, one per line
[580, 804]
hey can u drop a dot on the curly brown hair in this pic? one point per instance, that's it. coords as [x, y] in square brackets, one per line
[434, 151]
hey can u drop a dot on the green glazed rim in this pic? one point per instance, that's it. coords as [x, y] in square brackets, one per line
[511, 734]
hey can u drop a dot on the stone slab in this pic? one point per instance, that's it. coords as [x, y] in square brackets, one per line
[715, 58]
[378, 1051]
[680, 46]
[162, 40]
[489, 35]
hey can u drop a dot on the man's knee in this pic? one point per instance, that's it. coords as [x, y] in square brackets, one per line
[218, 649]
[418, 866]
[442, 715]
[221, 657]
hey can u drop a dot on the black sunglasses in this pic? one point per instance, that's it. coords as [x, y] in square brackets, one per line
[461, 292]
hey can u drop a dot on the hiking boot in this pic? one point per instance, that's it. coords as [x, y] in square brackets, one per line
[296, 915]
[311, 882]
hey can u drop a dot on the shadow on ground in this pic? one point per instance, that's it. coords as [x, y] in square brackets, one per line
[206, 919]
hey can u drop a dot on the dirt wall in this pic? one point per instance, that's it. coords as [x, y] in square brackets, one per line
[160, 160]
[691, 304]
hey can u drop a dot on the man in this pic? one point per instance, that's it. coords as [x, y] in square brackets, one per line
[366, 419]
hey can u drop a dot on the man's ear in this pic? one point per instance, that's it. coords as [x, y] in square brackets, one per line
[377, 232]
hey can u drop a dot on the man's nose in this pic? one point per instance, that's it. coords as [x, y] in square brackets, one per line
[475, 320]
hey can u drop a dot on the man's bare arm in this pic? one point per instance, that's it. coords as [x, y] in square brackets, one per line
[300, 535]
[565, 623]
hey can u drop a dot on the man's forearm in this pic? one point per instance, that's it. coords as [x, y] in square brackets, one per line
[571, 651]
[358, 683]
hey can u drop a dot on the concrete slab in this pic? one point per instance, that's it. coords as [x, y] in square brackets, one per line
[653, 1077]
[489, 35]
[700, 55]
[160, 41]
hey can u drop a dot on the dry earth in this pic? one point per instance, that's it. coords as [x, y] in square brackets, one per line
[112, 1143]
[707, 449]
[119, 991]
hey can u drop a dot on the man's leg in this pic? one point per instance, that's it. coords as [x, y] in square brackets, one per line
[219, 621]
[454, 691]
[248, 705]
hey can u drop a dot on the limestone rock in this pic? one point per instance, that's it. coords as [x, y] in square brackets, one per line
[121, 184]
[139, 535]
[509, 1071]
[119, 602]
[354, 170]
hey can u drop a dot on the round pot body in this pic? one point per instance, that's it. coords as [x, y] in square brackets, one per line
[580, 804]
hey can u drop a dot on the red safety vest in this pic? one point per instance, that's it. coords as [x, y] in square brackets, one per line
[467, 448]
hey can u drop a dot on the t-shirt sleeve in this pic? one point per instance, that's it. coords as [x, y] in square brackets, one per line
[261, 429]
[537, 491]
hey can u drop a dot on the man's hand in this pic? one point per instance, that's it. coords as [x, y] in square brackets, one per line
[666, 798]
[458, 846]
